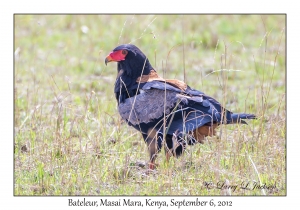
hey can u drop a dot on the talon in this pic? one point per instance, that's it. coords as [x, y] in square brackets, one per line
[152, 166]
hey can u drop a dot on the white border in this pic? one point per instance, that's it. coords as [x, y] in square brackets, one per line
[8, 201]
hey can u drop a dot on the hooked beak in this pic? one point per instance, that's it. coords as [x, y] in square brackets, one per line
[108, 59]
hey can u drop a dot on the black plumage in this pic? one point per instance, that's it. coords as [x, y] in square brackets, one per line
[167, 112]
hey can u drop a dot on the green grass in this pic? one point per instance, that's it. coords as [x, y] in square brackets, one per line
[70, 140]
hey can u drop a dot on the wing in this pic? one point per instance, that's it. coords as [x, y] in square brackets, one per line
[148, 106]
[184, 111]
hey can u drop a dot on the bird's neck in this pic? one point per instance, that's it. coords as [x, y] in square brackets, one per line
[135, 70]
[126, 82]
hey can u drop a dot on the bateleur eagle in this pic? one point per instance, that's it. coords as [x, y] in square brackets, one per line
[168, 113]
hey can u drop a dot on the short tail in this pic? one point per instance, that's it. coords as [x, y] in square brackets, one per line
[240, 117]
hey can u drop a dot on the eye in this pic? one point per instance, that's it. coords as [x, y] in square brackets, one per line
[124, 52]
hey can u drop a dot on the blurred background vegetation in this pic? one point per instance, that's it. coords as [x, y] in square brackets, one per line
[70, 140]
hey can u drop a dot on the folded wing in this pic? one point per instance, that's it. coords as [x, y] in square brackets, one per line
[184, 111]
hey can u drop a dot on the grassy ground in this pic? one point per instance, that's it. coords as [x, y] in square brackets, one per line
[69, 138]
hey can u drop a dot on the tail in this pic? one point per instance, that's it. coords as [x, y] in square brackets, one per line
[240, 117]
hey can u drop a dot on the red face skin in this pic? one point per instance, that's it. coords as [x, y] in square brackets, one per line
[116, 56]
